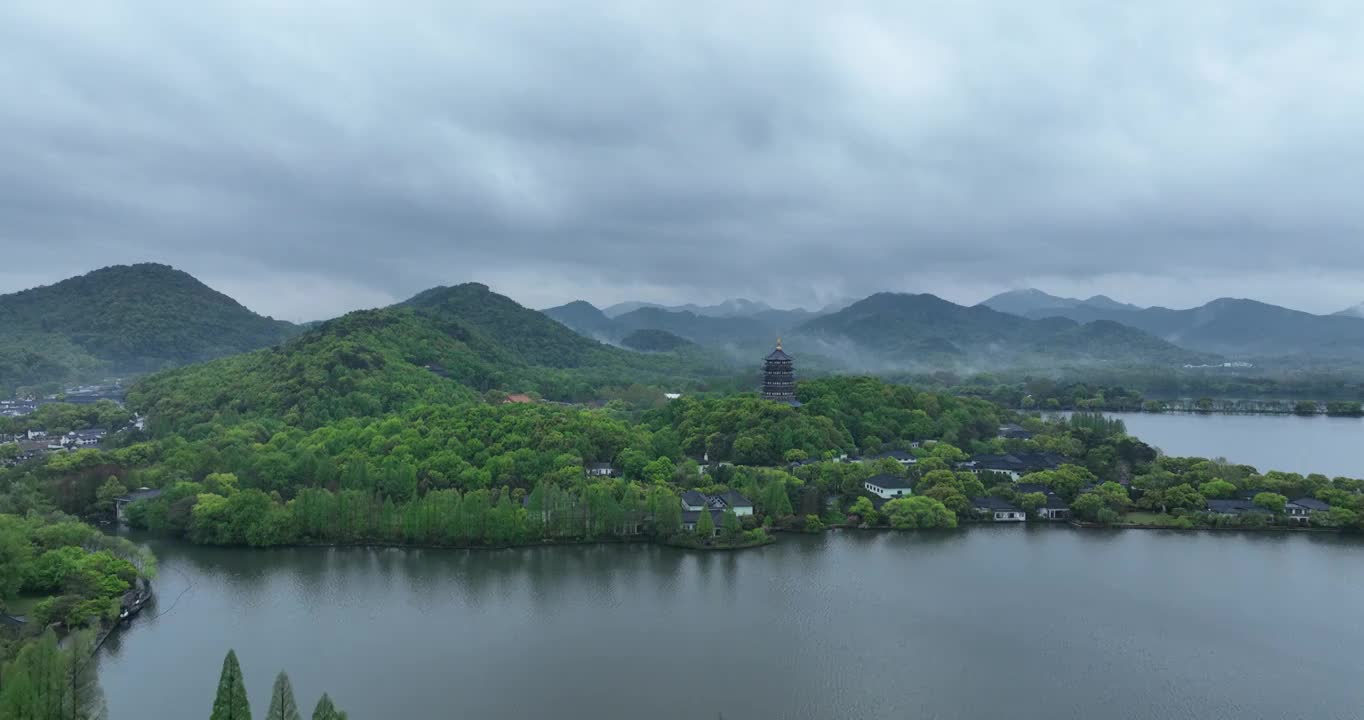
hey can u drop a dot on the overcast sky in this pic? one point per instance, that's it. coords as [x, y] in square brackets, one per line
[310, 158]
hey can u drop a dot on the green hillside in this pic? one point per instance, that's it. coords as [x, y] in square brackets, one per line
[444, 345]
[123, 319]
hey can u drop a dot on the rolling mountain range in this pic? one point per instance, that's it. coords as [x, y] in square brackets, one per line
[896, 331]
[140, 318]
[923, 330]
[123, 319]
[1234, 327]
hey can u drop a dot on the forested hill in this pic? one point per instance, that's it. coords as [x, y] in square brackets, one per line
[531, 336]
[584, 318]
[894, 328]
[123, 319]
[444, 345]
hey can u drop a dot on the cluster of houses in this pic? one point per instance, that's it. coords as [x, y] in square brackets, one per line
[17, 408]
[36, 443]
[693, 502]
[1016, 466]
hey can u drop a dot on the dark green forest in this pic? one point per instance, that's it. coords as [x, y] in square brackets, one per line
[124, 319]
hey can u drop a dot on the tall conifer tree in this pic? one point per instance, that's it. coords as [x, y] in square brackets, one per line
[231, 703]
[84, 696]
[705, 525]
[282, 704]
[325, 710]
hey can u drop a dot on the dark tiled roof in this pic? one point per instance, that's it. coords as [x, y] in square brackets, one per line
[600, 466]
[900, 455]
[889, 482]
[994, 504]
[1055, 503]
[1311, 504]
[734, 499]
[1232, 507]
[778, 354]
[1019, 462]
[1014, 432]
[691, 516]
[693, 498]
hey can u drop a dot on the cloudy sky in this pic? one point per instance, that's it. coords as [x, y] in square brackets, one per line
[313, 157]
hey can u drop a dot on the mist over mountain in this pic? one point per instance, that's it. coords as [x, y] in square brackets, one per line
[923, 330]
[751, 325]
[733, 307]
[1031, 302]
[1356, 311]
[1230, 326]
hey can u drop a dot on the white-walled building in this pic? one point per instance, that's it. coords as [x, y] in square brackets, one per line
[888, 486]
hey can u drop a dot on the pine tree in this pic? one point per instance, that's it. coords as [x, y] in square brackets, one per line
[326, 711]
[705, 525]
[282, 705]
[231, 703]
[85, 698]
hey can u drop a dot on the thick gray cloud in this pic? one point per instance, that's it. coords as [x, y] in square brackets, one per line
[310, 158]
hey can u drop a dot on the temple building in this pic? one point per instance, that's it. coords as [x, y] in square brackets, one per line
[779, 377]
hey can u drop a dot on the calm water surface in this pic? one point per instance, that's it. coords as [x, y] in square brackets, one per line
[1326, 445]
[985, 623]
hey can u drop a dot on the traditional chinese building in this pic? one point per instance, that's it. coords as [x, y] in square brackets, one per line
[779, 377]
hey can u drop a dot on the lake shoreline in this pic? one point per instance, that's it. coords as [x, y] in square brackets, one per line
[772, 537]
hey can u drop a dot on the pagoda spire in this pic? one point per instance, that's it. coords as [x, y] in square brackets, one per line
[779, 377]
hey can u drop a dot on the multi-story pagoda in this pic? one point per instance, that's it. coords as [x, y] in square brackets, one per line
[779, 377]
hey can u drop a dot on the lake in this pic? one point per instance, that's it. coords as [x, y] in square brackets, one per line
[1327, 445]
[1018, 622]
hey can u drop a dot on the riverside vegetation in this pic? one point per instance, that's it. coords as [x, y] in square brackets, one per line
[67, 577]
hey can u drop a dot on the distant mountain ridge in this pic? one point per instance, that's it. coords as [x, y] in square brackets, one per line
[733, 307]
[1031, 302]
[1236, 327]
[124, 319]
[734, 331]
[916, 329]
